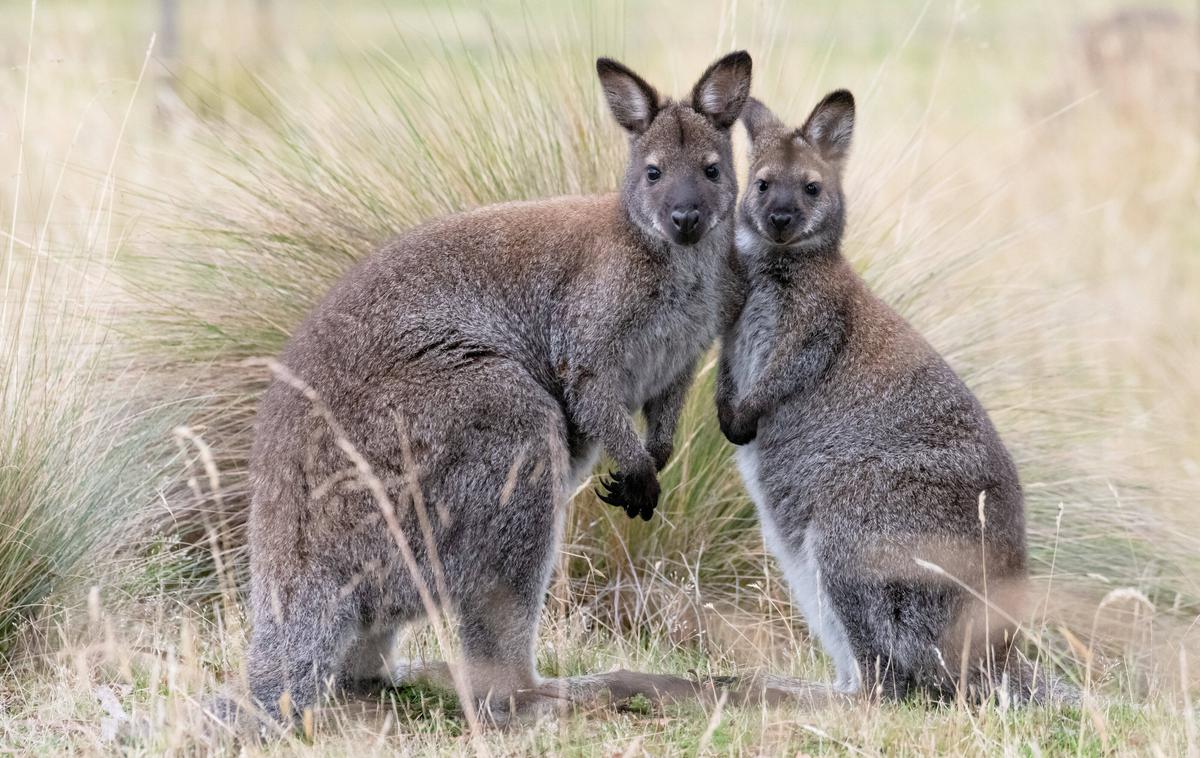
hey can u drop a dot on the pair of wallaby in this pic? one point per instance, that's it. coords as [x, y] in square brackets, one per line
[437, 408]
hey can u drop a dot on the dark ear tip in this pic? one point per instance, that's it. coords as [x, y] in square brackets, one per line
[605, 63]
[841, 97]
[738, 58]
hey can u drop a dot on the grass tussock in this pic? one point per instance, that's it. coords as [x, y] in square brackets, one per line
[75, 477]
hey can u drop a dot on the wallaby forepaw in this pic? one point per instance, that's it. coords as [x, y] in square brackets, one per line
[738, 428]
[636, 493]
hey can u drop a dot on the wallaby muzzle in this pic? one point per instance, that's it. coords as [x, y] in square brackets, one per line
[686, 225]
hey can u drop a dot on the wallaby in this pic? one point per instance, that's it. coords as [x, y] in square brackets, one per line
[435, 411]
[882, 486]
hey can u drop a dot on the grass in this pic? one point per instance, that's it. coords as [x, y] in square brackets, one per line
[985, 203]
[152, 709]
[75, 476]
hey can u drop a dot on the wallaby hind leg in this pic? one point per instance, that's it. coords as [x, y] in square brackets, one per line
[498, 619]
[500, 608]
[895, 629]
[297, 648]
[498, 635]
[495, 489]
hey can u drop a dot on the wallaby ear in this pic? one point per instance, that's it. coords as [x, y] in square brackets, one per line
[723, 89]
[758, 118]
[830, 126]
[633, 102]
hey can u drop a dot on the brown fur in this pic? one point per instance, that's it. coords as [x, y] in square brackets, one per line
[435, 410]
[883, 487]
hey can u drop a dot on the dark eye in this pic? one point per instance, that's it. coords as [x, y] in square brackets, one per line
[652, 173]
[712, 172]
[812, 188]
[762, 185]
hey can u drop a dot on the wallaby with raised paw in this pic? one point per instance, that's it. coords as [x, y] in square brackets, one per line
[435, 411]
[883, 488]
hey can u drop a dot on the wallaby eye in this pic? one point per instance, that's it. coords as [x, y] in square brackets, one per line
[652, 173]
[712, 172]
[762, 185]
[812, 188]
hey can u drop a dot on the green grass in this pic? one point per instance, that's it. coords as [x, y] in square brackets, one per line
[76, 480]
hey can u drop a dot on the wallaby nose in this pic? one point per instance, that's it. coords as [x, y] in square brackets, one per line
[780, 220]
[685, 221]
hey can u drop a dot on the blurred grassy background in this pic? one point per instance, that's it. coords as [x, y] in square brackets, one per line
[1025, 188]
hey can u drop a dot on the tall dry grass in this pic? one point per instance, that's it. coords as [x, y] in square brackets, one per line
[76, 480]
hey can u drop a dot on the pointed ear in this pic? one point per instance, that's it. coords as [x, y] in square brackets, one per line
[830, 126]
[633, 102]
[723, 89]
[758, 118]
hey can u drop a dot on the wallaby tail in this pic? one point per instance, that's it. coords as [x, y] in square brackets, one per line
[1020, 681]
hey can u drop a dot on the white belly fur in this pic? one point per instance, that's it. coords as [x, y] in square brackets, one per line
[803, 577]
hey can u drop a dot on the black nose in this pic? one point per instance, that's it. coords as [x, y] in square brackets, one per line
[685, 221]
[780, 220]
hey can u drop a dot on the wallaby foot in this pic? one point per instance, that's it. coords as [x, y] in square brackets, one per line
[296, 652]
[366, 668]
[236, 718]
[617, 688]
[622, 687]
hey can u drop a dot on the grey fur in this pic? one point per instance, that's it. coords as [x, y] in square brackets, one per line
[862, 449]
[476, 365]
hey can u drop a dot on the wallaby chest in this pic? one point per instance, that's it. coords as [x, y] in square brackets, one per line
[680, 324]
[754, 336]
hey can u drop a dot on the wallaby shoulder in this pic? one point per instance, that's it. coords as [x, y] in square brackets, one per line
[824, 292]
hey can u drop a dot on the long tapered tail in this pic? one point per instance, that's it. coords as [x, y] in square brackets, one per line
[1021, 681]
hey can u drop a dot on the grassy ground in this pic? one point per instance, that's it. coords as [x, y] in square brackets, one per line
[1024, 188]
[145, 704]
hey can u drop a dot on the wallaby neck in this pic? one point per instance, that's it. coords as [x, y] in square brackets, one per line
[785, 263]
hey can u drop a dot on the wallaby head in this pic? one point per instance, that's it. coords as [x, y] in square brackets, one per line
[794, 194]
[680, 181]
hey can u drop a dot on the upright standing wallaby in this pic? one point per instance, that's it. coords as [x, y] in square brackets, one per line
[867, 457]
[450, 391]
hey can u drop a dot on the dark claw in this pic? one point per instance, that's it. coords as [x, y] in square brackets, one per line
[611, 492]
[636, 494]
[615, 494]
